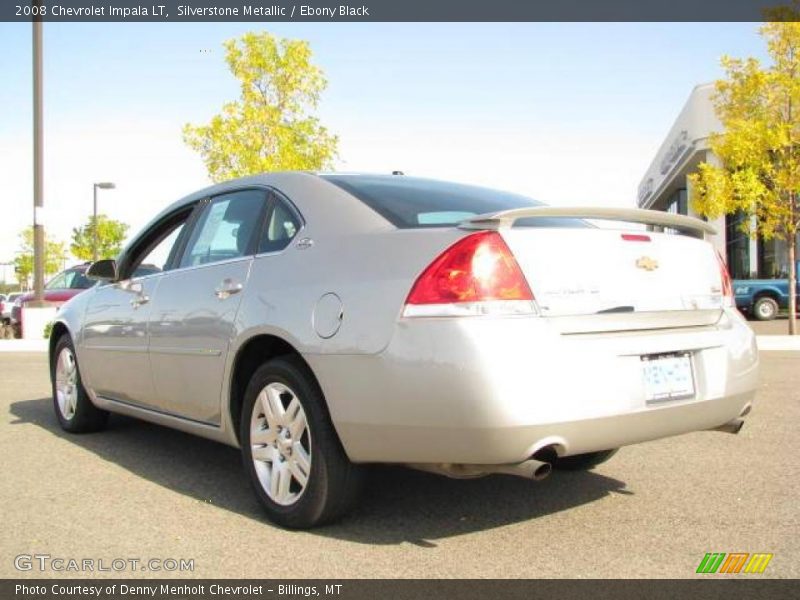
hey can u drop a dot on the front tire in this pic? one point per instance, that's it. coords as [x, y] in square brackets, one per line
[296, 463]
[74, 410]
[765, 309]
[583, 462]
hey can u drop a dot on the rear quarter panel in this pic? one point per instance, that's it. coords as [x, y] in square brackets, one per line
[355, 253]
[371, 273]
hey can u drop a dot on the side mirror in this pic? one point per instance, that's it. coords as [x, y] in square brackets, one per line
[103, 270]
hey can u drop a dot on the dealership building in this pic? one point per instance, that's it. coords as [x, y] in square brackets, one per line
[666, 187]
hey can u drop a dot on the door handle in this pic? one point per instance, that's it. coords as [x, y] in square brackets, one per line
[137, 301]
[227, 288]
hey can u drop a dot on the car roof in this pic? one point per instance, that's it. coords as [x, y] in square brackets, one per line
[304, 189]
[297, 185]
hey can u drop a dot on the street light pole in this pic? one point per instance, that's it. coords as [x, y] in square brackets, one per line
[38, 179]
[106, 185]
[94, 227]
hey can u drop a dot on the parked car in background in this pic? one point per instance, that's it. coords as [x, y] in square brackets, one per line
[7, 305]
[322, 322]
[5, 317]
[763, 299]
[64, 286]
[57, 291]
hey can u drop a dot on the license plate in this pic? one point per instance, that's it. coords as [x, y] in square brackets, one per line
[667, 376]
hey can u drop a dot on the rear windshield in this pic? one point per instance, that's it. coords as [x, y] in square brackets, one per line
[411, 202]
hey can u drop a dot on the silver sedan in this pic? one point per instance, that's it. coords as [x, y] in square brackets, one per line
[322, 322]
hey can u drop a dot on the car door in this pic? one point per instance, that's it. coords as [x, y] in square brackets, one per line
[115, 362]
[193, 317]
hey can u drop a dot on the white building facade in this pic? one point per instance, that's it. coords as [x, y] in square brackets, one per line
[666, 187]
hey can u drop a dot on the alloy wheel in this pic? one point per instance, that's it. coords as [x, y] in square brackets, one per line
[67, 383]
[280, 444]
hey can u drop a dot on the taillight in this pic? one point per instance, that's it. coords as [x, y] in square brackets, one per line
[727, 284]
[477, 275]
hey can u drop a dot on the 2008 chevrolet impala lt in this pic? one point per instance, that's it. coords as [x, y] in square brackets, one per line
[322, 322]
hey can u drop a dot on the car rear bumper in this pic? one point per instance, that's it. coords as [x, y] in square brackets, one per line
[497, 390]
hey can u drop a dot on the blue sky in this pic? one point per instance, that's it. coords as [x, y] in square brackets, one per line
[564, 112]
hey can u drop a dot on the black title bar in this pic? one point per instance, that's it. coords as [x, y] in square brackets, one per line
[385, 10]
[712, 587]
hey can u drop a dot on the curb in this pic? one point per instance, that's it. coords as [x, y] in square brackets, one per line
[23, 345]
[778, 343]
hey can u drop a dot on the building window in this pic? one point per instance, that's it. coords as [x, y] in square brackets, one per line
[768, 267]
[678, 203]
[773, 258]
[737, 246]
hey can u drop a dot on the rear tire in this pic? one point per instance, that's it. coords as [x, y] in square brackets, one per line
[583, 462]
[296, 463]
[73, 407]
[765, 309]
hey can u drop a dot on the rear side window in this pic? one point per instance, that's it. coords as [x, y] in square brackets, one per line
[411, 202]
[281, 227]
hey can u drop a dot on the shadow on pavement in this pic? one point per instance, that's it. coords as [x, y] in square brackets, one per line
[398, 505]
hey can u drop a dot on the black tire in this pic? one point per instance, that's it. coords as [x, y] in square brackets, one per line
[86, 417]
[583, 462]
[333, 483]
[765, 309]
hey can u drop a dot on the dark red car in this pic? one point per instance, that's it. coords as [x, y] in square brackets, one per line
[63, 287]
[57, 291]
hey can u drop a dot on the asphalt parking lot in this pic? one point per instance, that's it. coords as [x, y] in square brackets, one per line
[141, 491]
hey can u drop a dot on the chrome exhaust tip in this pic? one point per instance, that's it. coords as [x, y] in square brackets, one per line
[529, 469]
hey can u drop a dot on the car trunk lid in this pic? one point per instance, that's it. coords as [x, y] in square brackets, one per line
[625, 279]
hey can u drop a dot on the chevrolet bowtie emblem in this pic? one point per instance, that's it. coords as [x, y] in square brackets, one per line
[646, 263]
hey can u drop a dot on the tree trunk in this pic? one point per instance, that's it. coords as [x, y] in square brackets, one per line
[792, 286]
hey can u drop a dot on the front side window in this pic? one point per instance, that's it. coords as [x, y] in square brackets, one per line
[154, 250]
[69, 280]
[78, 281]
[157, 258]
[282, 226]
[225, 229]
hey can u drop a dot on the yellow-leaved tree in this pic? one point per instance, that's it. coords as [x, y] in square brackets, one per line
[271, 126]
[54, 257]
[759, 149]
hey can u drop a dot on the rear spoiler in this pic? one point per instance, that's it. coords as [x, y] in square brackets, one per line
[505, 218]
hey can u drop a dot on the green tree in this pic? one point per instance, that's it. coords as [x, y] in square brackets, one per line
[271, 126]
[110, 235]
[54, 256]
[759, 150]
